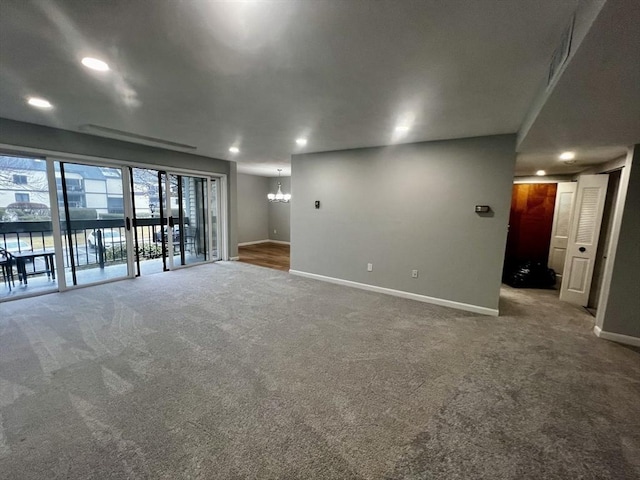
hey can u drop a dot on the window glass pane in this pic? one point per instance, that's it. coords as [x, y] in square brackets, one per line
[94, 238]
[26, 237]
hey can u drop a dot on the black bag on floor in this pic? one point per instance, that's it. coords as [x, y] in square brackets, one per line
[531, 275]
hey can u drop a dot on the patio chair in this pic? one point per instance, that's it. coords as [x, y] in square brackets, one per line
[6, 266]
[190, 235]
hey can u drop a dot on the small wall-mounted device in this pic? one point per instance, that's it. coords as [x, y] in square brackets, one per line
[317, 203]
[482, 208]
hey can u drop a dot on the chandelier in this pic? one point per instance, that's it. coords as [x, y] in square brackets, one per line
[279, 196]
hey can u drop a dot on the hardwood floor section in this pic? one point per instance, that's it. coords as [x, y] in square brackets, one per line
[270, 255]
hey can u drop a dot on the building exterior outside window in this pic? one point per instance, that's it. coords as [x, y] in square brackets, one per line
[25, 180]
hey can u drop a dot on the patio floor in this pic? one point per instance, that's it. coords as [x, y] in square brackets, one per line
[38, 284]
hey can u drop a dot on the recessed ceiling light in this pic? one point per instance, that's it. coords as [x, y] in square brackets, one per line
[234, 149]
[541, 173]
[39, 102]
[95, 64]
[301, 141]
[567, 155]
[402, 128]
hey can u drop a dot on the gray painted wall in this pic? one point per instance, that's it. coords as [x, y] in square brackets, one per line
[280, 213]
[622, 311]
[407, 207]
[20, 134]
[253, 208]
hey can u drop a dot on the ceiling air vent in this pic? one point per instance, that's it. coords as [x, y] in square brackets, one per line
[132, 137]
[561, 53]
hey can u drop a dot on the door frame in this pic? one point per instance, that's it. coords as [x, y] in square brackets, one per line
[55, 220]
[623, 164]
[221, 205]
[223, 225]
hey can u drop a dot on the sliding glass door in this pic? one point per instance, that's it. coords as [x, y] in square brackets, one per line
[175, 219]
[27, 255]
[150, 220]
[214, 209]
[190, 225]
[73, 223]
[95, 222]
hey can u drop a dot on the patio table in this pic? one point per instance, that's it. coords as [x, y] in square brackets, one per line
[21, 261]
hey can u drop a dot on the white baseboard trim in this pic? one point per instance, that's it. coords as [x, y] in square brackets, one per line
[399, 293]
[244, 244]
[279, 241]
[616, 337]
[234, 259]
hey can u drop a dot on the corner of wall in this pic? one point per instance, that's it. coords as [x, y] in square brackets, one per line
[619, 303]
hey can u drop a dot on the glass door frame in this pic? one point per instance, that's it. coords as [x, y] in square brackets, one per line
[221, 206]
[58, 234]
[52, 156]
[222, 225]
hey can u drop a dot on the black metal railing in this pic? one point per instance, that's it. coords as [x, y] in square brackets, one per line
[95, 242]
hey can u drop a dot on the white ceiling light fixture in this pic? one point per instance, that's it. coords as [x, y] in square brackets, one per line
[39, 102]
[234, 149]
[402, 128]
[541, 173]
[279, 196]
[301, 141]
[95, 64]
[567, 155]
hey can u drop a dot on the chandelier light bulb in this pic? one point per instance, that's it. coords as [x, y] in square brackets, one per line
[279, 196]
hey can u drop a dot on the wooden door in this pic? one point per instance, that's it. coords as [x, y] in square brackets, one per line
[582, 246]
[530, 222]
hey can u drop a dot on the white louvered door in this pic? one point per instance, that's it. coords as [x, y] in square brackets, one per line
[561, 224]
[583, 238]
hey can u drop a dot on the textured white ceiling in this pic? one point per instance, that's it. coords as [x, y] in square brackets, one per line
[549, 161]
[259, 74]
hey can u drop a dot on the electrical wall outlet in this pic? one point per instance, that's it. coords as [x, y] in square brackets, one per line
[275, 231]
[369, 267]
[414, 273]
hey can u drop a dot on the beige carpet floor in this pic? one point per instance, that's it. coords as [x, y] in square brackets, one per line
[232, 371]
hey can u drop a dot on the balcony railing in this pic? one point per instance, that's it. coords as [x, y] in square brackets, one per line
[19, 237]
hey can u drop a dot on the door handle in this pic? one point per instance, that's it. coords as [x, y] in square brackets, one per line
[582, 249]
[128, 223]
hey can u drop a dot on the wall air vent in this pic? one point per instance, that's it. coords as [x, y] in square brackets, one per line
[132, 137]
[561, 53]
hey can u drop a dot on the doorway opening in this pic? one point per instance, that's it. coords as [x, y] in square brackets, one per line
[565, 226]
